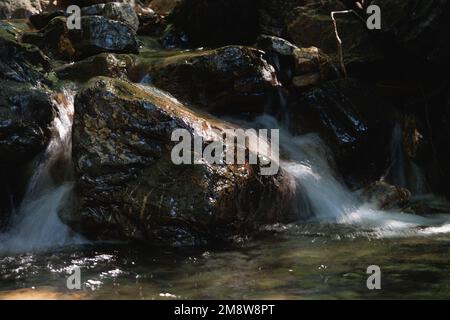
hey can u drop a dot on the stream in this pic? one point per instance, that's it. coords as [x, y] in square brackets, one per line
[324, 256]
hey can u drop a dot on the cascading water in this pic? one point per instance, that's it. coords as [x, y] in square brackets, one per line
[36, 225]
[324, 198]
[403, 172]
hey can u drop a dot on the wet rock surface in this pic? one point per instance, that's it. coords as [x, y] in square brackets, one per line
[128, 188]
[353, 121]
[97, 35]
[25, 117]
[104, 64]
[386, 196]
[122, 12]
[20, 62]
[389, 120]
[244, 82]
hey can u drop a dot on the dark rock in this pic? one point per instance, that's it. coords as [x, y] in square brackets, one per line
[20, 62]
[164, 7]
[311, 26]
[386, 196]
[87, 3]
[128, 187]
[25, 116]
[300, 67]
[40, 20]
[427, 204]
[276, 45]
[215, 23]
[231, 79]
[122, 12]
[151, 24]
[419, 27]
[104, 64]
[353, 120]
[97, 35]
[273, 15]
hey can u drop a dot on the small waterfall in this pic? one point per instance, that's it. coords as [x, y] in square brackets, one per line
[323, 197]
[36, 224]
[397, 171]
[403, 172]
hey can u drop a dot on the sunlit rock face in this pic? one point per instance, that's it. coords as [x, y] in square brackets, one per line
[97, 35]
[128, 187]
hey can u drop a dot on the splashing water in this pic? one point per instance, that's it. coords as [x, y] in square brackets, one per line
[321, 196]
[36, 224]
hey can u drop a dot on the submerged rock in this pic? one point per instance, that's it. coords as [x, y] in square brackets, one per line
[231, 79]
[97, 35]
[128, 188]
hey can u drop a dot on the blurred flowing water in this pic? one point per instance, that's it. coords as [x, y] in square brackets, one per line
[326, 255]
[36, 225]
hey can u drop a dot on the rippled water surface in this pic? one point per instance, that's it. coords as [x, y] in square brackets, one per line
[304, 262]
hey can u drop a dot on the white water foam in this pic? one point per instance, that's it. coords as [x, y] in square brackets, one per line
[323, 197]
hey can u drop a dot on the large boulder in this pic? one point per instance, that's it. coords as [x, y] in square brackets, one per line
[232, 79]
[128, 188]
[97, 35]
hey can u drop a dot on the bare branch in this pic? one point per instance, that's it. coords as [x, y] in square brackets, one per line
[338, 39]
